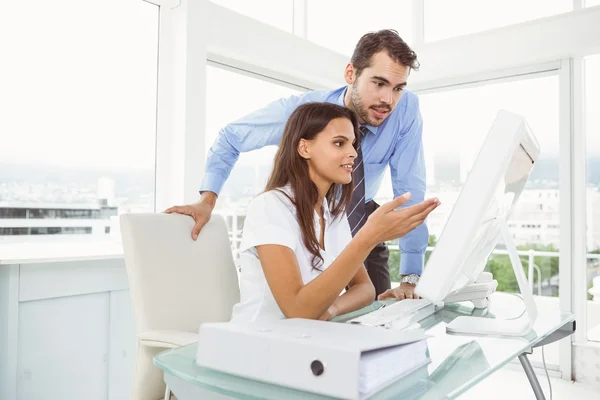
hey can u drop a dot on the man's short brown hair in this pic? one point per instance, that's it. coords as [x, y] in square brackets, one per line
[375, 42]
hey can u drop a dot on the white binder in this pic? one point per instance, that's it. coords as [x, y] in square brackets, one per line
[314, 356]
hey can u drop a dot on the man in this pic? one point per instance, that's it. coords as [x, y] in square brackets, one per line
[392, 135]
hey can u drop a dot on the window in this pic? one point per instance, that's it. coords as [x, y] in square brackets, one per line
[13, 231]
[445, 19]
[455, 125]
[278, 13]
[78, 101]
[338, 24]
[592, 123]
[45, 231]
[250, 174]
[13, 213]
[591, 3]
[78, 230]
[37, 213]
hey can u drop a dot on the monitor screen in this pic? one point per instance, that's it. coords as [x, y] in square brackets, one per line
[493, 186]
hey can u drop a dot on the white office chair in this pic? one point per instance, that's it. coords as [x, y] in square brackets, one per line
[176, 284]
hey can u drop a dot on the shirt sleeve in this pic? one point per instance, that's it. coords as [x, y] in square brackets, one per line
[270, 220]
[263, 127]
[407, 167]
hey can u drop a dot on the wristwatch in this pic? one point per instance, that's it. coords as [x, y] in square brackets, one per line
[412, 279]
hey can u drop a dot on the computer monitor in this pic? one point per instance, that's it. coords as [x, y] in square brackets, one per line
[478, 220]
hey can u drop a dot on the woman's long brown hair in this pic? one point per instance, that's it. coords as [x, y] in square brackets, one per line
[289, 167]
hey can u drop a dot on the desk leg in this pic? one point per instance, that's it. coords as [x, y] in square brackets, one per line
[535, 384]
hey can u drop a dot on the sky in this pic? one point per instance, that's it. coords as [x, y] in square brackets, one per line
[458, 121]
[81, 90]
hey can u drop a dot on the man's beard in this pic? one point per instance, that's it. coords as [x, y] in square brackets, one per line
[360, 109]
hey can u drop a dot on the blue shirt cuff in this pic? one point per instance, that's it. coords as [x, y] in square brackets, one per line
[411, 263]
[212, 183]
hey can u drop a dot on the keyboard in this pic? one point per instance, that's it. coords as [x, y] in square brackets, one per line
[397, 315]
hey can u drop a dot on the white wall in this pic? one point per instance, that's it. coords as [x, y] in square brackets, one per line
[574, 34]
[272, 52]
[243, 42]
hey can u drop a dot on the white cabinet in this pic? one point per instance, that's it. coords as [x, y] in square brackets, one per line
[67, 330]
[63, 348]
[122, 349]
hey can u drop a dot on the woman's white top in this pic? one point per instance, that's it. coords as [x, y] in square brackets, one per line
[271, 219]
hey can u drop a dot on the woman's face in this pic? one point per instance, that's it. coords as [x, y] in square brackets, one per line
[331, 153]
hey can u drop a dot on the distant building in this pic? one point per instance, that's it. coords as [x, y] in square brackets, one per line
[535, 218]
[56, 219]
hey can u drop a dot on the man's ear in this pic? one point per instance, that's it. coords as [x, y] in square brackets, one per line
[304, 149]
[349, 74]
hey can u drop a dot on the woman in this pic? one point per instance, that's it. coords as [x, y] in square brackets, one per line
[297, 253]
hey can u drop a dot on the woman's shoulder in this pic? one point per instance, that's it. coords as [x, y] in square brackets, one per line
[272, 200]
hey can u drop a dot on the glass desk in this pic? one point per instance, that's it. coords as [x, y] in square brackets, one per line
[458, 362]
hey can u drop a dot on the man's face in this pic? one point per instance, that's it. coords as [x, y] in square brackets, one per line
[375, 93]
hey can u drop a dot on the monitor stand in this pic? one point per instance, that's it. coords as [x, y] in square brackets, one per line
[478, 292]
[498, 327]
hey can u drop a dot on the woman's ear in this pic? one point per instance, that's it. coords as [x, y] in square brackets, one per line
[303, 149]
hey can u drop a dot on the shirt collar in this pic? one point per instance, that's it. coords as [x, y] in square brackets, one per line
[340, 102]
[326, 210]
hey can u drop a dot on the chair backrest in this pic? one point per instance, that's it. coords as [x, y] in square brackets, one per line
[177, 283]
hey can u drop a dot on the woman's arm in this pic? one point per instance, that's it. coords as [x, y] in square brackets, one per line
[282, 273]
[360, 293]
[297, 300]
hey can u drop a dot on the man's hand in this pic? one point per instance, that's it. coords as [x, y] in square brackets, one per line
[200, 211]
[404, 291]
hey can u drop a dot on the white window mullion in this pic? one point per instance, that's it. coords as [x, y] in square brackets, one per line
[181, 105]
[572, 205]
[418, 22]
[564, 180]
[579, 196]
[299, 23]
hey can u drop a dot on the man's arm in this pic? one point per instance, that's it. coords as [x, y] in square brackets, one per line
[261, 128]
[408, 175]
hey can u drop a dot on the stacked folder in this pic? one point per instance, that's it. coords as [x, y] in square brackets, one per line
[334, 359]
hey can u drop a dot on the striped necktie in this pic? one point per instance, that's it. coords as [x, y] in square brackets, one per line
[357, 212]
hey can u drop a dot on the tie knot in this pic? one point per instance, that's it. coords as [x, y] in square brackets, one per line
[363, 132]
